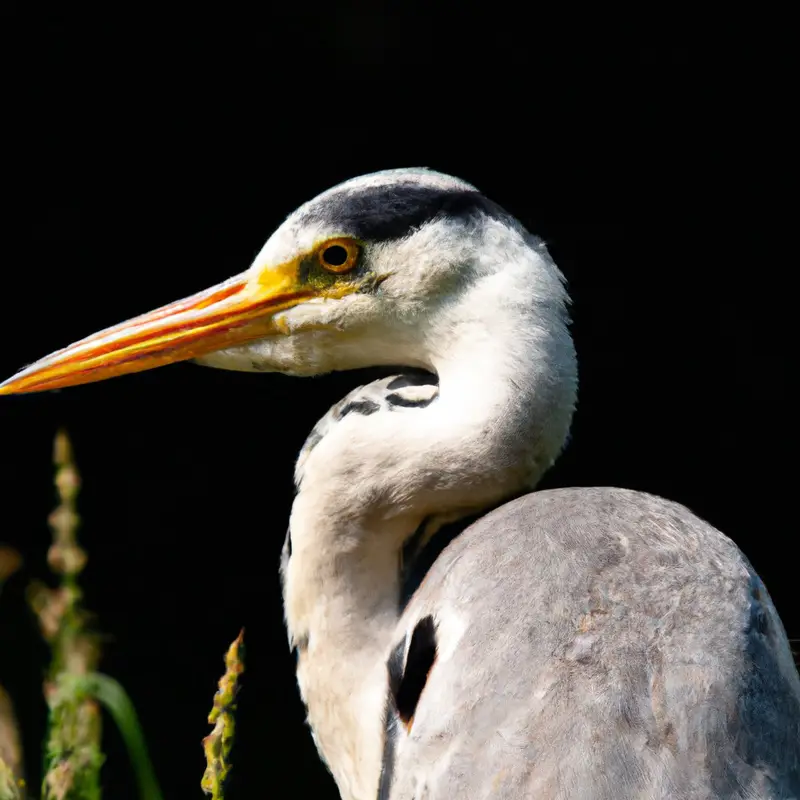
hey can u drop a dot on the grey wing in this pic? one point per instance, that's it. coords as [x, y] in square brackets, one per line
[592, 643]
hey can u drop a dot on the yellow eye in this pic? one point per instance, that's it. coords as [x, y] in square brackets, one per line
[339, 255]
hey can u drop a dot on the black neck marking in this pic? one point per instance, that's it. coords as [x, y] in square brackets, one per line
[413, 377]
[390, 726]
[417, 563]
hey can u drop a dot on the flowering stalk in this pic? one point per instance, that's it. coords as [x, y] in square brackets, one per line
[217, 745]
[73, 756]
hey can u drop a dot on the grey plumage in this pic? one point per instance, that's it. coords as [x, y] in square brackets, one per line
[610, 645]
[592, 644]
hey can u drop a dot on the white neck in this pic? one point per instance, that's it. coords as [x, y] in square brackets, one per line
[506, 392]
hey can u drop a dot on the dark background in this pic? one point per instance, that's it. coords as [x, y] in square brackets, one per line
[144, 158]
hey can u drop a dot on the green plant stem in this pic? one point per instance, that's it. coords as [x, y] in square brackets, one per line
[72, 757]
[9, 787]
[111, 695]
[11, 771]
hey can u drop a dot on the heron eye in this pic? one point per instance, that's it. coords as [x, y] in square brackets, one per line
[339, 256]
[335, 256]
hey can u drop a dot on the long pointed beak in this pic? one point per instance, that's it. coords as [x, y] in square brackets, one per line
[239, 310]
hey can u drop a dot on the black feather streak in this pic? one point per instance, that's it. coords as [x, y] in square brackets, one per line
[420, 658]
[405, 689]
[365, 407]
[417, 563]
[413, 378]
[286, 554]
[299, 646]
[389, 742]
[406, 402]
[395, 667]
[759, 620]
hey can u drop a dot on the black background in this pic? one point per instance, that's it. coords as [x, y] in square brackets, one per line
[146, 157]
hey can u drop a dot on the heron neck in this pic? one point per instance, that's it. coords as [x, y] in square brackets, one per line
[506, 392]
[341, 594]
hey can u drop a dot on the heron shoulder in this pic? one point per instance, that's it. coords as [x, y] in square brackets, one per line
[660, 657]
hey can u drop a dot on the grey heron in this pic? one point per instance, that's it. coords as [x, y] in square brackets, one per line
[458, 634]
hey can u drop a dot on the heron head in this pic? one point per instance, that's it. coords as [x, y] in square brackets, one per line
[350, 279]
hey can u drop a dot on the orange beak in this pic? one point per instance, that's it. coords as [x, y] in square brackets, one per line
[239, 310]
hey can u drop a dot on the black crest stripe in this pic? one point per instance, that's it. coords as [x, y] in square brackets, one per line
[392, 211]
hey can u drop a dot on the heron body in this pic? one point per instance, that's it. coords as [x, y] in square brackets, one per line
[574, 643]
[585, 643]
[640, 657]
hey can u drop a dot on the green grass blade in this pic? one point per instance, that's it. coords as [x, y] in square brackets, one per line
[110, 694]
